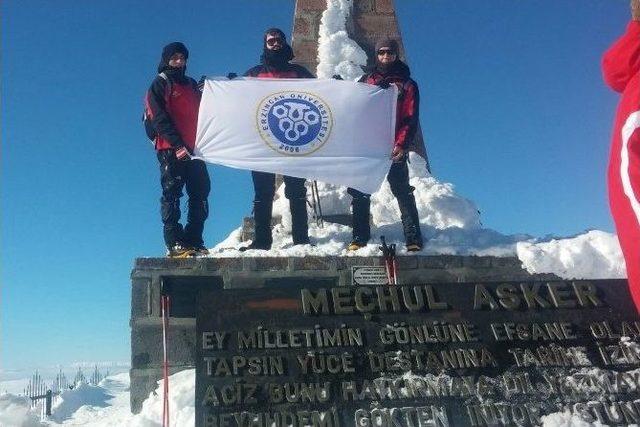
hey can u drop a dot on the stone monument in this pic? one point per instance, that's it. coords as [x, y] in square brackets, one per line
[182, 278]
[326, 341]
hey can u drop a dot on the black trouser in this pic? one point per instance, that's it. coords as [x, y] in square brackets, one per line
[174, 175]
[398, 178]
[295, 191]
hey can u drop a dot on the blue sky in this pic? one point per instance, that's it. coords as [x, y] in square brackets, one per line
[514, 111]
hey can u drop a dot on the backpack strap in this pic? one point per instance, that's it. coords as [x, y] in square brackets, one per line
[168, 91]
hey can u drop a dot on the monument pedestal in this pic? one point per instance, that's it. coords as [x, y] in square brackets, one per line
[182, 279]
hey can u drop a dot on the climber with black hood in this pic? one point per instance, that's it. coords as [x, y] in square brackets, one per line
[388, 70]
[172, 103]
[274, 63]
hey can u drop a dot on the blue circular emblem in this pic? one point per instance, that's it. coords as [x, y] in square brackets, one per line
[294, 123]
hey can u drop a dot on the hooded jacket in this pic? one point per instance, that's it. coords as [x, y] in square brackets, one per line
[621, 70]
[173, 103]
[275, 64]
[407, 109]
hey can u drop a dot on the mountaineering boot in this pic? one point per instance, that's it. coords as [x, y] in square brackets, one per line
[413, 247]
[360, 207]
[299, 221]
[256, 245]
[200, 250]
[180, 251]
[410, 222]
[196, 216]
[171, 227]
[355, 245]
[262, 219]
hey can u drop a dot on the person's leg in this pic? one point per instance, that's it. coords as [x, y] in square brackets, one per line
[264, 189]
[360, 211]
[198, 186]
[296, 191]
[398, 178]
[172, 181]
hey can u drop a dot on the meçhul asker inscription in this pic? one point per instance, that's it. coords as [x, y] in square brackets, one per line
[422, 355]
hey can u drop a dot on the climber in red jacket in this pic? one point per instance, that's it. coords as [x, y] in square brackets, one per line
[621, 69]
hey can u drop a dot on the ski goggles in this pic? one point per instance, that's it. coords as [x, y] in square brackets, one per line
[273, 41]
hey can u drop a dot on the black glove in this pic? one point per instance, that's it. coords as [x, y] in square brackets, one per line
[232, 76]
[201, 83]
[337, 77]
[383, 84]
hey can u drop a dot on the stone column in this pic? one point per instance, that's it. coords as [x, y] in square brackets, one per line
[370, 21]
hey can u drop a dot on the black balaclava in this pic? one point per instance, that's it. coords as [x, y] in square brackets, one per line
[167, 52]
[389, 44]
[276, 58]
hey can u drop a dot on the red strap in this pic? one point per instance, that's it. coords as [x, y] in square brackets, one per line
[395, 271]
[164, 302]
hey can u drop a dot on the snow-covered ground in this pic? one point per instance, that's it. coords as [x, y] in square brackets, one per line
[450, 224]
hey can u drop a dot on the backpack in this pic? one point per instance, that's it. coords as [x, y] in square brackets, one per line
[147, 114]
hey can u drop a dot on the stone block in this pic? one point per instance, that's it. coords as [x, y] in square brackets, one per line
[271, 264]
[362, 6]
[306, 51]
[309, 5]
[377, 25]
[166, 263]
[384, 6]
[222, 264]
[140, 297]
[441, 261]
[314, 263]
[506, 262]
[146, 344]
[345, 263]
[423, 276]
[407, 262]
[243, 280]
[477, 261]
[302, 27]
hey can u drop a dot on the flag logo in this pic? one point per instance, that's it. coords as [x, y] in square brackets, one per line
[294, 123]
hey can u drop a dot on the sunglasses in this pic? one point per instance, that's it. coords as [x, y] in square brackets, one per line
[389, 52]
[273, 41]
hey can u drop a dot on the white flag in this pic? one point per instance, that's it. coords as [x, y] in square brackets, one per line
[340, 132]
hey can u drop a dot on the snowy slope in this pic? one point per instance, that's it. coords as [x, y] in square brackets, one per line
[107, 405]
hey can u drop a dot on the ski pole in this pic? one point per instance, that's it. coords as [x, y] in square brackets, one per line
[164, 302]
[385, 253]
[394, 262]
[315, 185]
[313, 203]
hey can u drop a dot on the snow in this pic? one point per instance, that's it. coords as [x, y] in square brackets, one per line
[105, 405]
[82, 395]
[181, 403]
[16, 411]
[450, 224]
[566, 419]
[337, 53]
[592, 255]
